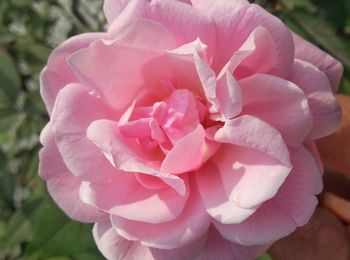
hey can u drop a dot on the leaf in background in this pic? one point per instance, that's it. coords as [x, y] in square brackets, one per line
[10, 82]
[324, 35]
[5, 36]
[19, 226]
[56, 235]
[345, 86]
[305, 4]
[264, 256]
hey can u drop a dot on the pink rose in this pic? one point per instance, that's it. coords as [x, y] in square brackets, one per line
[187, 129]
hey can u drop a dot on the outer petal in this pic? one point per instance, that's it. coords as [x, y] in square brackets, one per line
[185, 22]
[115, 247]
[251, 176]
[108, 65]
[219, 248]
[258, 54]
[306, 51]
[216, 201]
[112, 8]
[322, 102]
[251, 132]
[188, 227]
[57, 73]
[75, 109]
[126, 197]
[64, 186]
[280, 103]
[291, 207]
[236, 21]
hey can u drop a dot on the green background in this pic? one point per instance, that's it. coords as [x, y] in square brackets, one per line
[31, 225]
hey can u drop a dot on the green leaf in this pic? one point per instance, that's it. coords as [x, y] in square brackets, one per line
[5, 36]
[305, 4]
[10, 82]
[55, 235]
[264, 256]
[324, 35]
[345, 86]
[19, 228]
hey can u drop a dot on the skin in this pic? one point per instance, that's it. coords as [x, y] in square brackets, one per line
[327, 235]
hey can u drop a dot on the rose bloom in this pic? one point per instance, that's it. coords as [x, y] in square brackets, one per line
[187, 129]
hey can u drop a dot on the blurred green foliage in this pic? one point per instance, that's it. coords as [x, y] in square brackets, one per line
[31, 225]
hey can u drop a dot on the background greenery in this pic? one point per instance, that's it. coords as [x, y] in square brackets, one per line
[31, 225]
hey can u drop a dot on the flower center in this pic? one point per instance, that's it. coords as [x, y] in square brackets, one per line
[165, 122]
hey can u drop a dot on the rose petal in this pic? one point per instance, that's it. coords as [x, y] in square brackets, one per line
[254, 133]
[323, 105]
[223, 94]
[186, 155]
[126, 154]
[188, 227]
[291, 207]
[306, 51]
[57, 74]
[208, 79]
[280, 103]
[106, 65]
[219, 248]
[234, 24]
[249, 177]
[124, 196]
[185, 22]
[216, 201]
[63, 186]
[112, 9]
[115, 247]
[229, 96]
[182, 59]
[75, 109]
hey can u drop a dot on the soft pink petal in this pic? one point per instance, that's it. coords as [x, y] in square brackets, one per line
[186, 155]
[252, 132]
[208, 80]
[188, 227]
[126, 197]
[115, 247]
[257, 54]
[112, 8]
[182, 115]
[280, 103]
[57, 73]
[185, 22]
[323, 105]
[306, 51]
[144, 34]
[75, 109]
[183, 63]
[229, 96]
[127, 155]
[234, 24]
[249, 177]
[222, 93]
[255, 166]
[216, 201]
[312, 148]
[63, 186]
[292, 207]
[219, 248]
[46, 134]
[106, 64]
